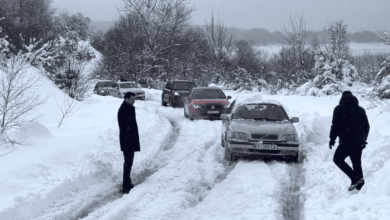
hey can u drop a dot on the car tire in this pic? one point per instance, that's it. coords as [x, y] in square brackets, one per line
[295, 158]
[171, 104]
[185, 114]
[191, 117]
[229, 156]
[162, 102]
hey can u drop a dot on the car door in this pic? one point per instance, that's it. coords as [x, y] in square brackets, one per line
[226, 123]
[113, 89]
[187, 102]
[167, 91]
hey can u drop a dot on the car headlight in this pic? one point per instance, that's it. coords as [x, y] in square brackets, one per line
[239, 135]
[227, 106]
[290, 137]
[196, 106]
[176, 94]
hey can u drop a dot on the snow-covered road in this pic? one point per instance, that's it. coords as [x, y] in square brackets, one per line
[181, 172]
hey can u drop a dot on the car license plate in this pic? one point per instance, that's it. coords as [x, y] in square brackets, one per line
[212, 112]
[265, 146]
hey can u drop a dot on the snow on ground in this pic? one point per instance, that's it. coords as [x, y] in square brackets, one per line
[75, 171]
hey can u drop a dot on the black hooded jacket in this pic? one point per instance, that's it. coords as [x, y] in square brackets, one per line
[349, 121]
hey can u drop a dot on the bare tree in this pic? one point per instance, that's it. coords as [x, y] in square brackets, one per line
[18, 92]
[67, 108]
[162, 21]
[298, 55]
[338, 46]
[220, 46]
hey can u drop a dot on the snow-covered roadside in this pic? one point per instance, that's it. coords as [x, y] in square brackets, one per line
[82, 153]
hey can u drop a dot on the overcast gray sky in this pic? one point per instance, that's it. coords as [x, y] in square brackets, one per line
[270, 14]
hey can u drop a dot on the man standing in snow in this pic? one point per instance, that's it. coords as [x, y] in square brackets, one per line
[128, 137]
[351, 125]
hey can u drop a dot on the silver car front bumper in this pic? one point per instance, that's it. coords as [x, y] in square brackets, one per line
[248, 148]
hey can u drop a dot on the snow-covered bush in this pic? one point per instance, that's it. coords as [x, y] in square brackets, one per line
[70, 70]
[331, 76]
[383, 87]
[243, 80]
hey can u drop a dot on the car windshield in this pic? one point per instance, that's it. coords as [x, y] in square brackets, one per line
[105, 84]
[183, 85]
[260, 112]
[127, 85]
[209, 94]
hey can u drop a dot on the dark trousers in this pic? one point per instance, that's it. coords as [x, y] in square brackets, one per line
[129, 158]
[354, 152]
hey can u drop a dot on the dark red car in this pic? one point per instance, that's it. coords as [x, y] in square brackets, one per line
[205, 102]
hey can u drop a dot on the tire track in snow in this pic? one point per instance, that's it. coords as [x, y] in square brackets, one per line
[161, 156]
[291, 192]
[85, 201]
[194, 167]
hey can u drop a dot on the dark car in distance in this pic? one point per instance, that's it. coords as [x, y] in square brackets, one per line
[102, 86]
[206, 102]
[175, 92]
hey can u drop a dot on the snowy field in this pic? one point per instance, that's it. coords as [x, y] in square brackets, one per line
[356, 48]
[75, 171]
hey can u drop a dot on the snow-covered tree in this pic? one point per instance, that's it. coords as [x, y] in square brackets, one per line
[19, 82]
[384, 73]
[384, 77]
[71, 68]
[333, 71]
[384, 35]
[162, 21]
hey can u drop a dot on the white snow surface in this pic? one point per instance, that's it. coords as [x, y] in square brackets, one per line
[75, 171]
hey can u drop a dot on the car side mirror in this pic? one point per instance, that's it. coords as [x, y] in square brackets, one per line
[229, 97]
[294, 119]
[224, 116]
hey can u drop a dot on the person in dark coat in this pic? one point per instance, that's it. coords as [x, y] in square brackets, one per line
[128, 137]
[351, 125]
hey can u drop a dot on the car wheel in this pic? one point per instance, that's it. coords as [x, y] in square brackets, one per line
[171, 104]
[229, 156]
[295, 158]
[191, 117]
[185, 114]
[162, 102]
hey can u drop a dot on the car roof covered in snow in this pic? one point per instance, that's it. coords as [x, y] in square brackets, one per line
[206, 88]
[255, 98]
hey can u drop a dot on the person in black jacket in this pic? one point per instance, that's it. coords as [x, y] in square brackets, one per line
[351, 125]
[128, 137]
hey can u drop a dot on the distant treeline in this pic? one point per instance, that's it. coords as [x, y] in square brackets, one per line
[263, 36]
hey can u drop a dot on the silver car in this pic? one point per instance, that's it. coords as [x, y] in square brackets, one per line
[119, 89]
[259, 128]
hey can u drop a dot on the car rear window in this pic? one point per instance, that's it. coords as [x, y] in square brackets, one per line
[209, 94]
[127, 85]
[260, 112]
[105, 84]
[183, 85]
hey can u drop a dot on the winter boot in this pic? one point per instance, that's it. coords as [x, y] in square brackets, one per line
[354, 184]
[360, 185]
